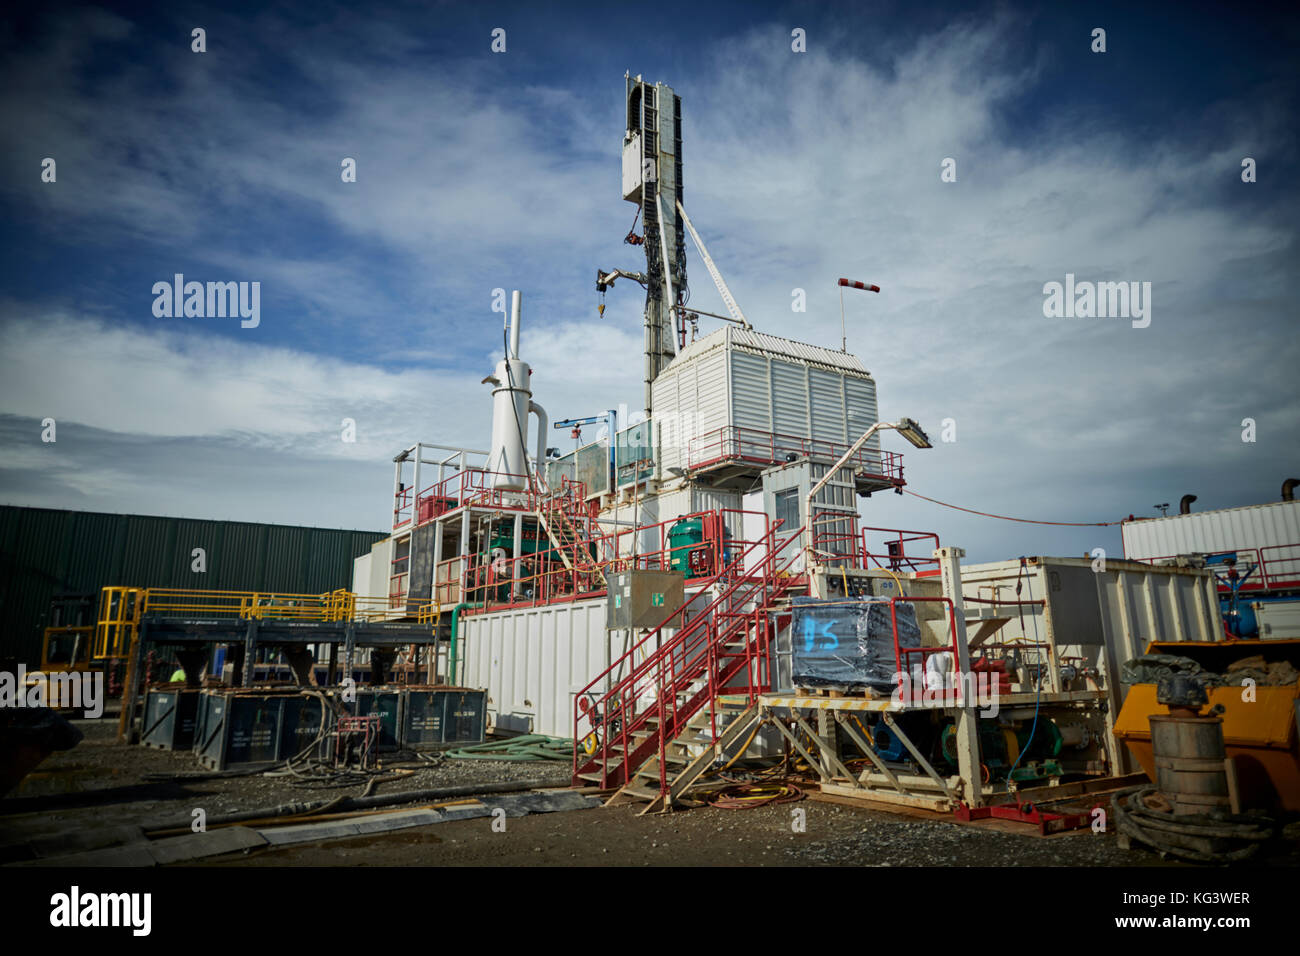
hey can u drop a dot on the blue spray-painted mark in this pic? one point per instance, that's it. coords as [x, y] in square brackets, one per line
[827, 636]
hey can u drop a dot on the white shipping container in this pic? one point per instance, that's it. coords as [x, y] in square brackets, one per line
[533, 662]
[370, 575]
[1098, 619]
[1269, 532]
[1278, 620]
[361, 573]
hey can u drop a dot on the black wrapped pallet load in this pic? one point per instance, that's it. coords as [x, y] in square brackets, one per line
[849, 644]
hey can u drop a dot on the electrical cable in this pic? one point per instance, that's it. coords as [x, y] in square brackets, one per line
[310, 773]
[1038, 689]
[989, 514]
[748, 796]
[740, 751]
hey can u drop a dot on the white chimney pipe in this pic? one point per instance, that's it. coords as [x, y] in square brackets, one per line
[514, 323]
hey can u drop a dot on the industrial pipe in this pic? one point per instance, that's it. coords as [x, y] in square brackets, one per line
[1288, 489]
[539, 457]
[508, 460]
[1185, 504]
[904, 426]
[514, 323]
[452, 651]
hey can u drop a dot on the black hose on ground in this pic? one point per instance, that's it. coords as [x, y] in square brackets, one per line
[1222, 838]
[200, 775]
[363, 803]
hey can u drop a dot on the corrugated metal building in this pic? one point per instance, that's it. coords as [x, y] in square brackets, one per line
[1266, 535]
[737, 385]
[44, 552]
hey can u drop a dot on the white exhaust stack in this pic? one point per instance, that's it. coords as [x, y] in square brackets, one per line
[515, 299]
[511, 402]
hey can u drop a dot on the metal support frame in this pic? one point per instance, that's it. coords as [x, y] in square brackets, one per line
[825, 480]
[250, 652]
[829, 747]
[463, 551]
[349, 645]
[794, 742]
[829, 765]
[918, 756]
[668, 270]
[516, 564]
[130, 689]
[867, 748]
[967, 727]
[727, 298]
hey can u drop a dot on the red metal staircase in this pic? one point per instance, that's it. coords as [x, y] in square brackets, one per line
[721, 650]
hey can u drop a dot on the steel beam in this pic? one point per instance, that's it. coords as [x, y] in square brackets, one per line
[865, 746]
[918, 756]
[967, 728]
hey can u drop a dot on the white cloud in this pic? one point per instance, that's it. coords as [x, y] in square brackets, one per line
[830, 167]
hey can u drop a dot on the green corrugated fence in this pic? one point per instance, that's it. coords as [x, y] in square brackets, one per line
[44, 552]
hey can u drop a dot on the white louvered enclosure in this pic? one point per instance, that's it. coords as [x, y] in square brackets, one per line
[743, 396]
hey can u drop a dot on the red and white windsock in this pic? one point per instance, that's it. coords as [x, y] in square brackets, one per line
[867, 286]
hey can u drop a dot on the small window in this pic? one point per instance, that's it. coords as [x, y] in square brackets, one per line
[787, 510]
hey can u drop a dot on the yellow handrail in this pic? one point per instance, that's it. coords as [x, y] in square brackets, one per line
[119, 616]
[121, 609]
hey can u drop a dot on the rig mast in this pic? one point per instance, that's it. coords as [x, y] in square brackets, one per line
[652, 178]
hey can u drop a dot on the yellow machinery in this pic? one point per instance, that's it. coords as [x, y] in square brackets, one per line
[66, 643]
[66, 649]
[1261, 735]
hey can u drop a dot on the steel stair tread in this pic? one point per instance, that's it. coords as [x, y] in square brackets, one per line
[645, 794]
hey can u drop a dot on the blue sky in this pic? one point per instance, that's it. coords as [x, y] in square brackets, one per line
[479, 170]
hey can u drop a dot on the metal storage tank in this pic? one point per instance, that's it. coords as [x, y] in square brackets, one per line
[434, 718]
[169, 717]
[1269, 530]
[235, 728]
[735, 386]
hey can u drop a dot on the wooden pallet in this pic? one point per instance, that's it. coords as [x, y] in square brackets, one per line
[839, 693]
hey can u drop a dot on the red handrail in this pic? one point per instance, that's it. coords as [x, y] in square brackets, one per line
[732, 442]
[900, 560]
[1272, 572]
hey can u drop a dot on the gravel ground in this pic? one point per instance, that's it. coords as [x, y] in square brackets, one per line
[616, 836]
[101, 784]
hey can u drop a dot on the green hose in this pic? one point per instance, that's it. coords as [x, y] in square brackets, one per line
[525, 747]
